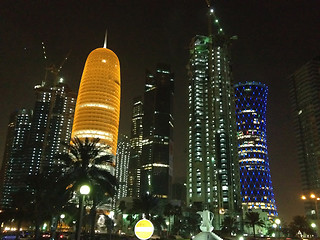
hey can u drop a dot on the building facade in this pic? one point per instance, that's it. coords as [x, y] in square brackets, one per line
[157, 143]
[51, 125]
[134, 171]
[98, 105]
[255, 177]
[13, 164]
[213, 172]
[122, 163]
[305, 104]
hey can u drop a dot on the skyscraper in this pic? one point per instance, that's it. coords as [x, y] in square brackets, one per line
[305, 102]
[255, 178]
[157, 143]
[51, 124]
[134, 171]
[98, 104]
[13, 164]
[213, 172]
[122, 162]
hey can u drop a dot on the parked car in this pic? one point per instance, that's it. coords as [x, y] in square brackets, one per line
[10, 236]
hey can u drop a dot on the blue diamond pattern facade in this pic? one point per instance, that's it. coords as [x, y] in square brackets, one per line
[255, 178]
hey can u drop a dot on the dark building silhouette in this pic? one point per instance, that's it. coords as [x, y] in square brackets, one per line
[305, 102]
[157, 143]
[255, 177]
[13, 165]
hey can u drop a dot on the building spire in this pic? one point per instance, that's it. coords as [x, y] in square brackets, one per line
[105, 39]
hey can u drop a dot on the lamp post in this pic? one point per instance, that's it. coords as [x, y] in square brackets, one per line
[62, 216]
[314, 227]
[315, 199]
[278, 221]
[84, 190]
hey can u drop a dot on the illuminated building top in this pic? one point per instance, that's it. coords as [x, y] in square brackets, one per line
[98, 104]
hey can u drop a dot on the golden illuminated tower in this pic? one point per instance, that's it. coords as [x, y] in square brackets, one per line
[98, 104]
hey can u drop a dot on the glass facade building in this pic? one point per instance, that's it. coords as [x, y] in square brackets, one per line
[134, 172]
[13, 164]
[157, 143]
[305, 103]
[122, 162]
[255, 178]
[42, 134]
[213, 173]
[51, 125]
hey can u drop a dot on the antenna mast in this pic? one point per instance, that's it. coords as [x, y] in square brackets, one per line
[105, 39]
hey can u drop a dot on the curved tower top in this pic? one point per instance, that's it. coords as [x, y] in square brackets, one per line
[255, 177]
[98, 105]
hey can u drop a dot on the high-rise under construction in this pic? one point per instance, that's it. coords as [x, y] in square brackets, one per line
[213, 171]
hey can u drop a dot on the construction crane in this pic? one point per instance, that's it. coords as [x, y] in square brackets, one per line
[52, 68]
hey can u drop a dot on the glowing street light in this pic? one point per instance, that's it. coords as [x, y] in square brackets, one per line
[315, 199]
[276, 225]
[84, 190]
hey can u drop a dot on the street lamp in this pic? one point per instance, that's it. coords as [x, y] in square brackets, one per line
[84, 190]
[277, 222]
[315, 199]
[62, 216]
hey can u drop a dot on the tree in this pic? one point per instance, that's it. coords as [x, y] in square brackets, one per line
[145, 204]
[299, 223]
[189, 222]
[46, 203]
[159, 223]
[229, 225]
[172, 210]
[19, 210]
[85, 163]
[253, 220]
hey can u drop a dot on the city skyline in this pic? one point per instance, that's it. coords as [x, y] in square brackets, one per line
[268, 50]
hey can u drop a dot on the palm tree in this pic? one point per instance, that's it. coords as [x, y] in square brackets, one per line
[145, 204]
[229, 225]
[253, 220]
[172, 210]
[159, 223]
[85, 163]
[45, 202]
[299, 223]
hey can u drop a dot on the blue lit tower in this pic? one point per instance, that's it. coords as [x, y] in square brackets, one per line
[255, 178]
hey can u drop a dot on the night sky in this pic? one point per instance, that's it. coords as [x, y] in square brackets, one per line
[275, 38]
